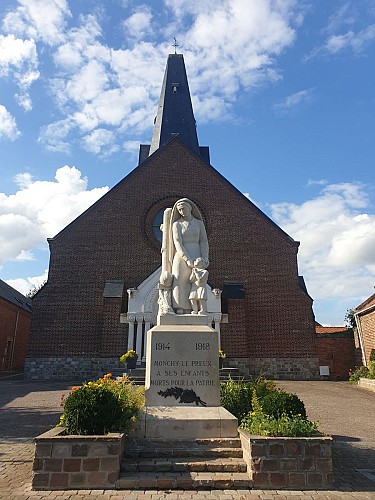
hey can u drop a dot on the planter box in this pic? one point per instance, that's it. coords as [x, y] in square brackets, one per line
[76, 462]
[288, 463]
[367, 383]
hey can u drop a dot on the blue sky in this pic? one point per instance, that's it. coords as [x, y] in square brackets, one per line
[283, 93]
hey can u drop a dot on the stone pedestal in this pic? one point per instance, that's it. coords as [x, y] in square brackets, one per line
[182, 382]
[182, 366]
[171, 422]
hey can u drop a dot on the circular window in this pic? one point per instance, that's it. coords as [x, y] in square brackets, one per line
[156, 223]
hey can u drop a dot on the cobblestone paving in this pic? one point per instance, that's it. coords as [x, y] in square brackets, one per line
[28, 409]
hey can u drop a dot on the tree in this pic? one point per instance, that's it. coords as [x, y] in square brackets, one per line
[35, 290]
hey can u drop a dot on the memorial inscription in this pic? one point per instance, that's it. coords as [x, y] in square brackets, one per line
[185, 365]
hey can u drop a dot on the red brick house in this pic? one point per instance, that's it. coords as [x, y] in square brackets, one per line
[336, 351]
[364, 315]
[15, 320]
[104, 259]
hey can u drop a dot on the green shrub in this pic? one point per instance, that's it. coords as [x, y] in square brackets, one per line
[101, 406]
[361, 372]
[371, 369]
[257, 422]
[372, 355]
[266, 425]
[280, 403]
[236, 396]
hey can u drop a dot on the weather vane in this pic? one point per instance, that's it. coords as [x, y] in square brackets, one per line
[175, 45]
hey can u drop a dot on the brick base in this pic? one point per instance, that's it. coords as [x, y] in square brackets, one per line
[279, 368]
[76, 462]
[288, 463]
[69, 367]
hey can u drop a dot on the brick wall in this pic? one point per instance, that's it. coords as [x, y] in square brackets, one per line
[338, 352]
[113, 240]
[14, 335]
[76, 462]
[367, 324]
[288, 463]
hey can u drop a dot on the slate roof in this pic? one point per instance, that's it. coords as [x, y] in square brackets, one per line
[369, 302]
[175, 116]
[13, 296]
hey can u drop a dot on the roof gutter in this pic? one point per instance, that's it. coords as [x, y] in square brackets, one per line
[358, 323]
[364, 310]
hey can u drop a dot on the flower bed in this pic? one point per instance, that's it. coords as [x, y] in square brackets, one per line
[85, 450]
[288, 463]
[65, 462]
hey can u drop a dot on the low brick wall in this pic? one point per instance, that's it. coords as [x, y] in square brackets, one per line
[76, 462]
[367, 383]
[69, 367]
[288, 463]
[279, 368]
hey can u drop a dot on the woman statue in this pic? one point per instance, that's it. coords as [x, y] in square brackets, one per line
[188, 242]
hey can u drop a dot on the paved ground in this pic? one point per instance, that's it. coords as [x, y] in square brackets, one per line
[28, 409]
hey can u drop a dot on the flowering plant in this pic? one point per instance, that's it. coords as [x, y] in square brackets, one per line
[259, 423]
[128, 355]
[222, 354]
[101, 406]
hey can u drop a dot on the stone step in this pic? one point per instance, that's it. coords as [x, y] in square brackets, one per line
[137, 448]
[181, 452]
[233, 442]
[184, 480]
[188, 464]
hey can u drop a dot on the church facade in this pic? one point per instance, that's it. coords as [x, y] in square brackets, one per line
[83, 317]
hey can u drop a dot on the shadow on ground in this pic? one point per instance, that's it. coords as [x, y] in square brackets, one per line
[348, 457]
[23, 422]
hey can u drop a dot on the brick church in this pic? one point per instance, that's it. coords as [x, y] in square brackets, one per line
[101, 294]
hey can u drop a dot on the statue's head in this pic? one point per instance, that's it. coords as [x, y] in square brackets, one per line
[184, 206]
[200, 263]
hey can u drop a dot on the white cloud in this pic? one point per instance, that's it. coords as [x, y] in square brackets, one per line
[54, 136]
[348, 28]
[19, 59]
[317, 182]
[40, 209]
[8, 126]
[38, 19]
[337, 235]
[25, 256]
[24, 286]
[294, 100]
[227, 45]
[101, 141]
[138, 25]
[131, 147]
[23, 179]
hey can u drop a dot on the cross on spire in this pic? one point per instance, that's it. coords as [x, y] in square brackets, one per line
[175, 45]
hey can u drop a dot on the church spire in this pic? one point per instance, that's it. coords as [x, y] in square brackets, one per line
[175, 115]
[175, 112]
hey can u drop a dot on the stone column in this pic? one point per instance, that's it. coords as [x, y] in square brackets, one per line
[139, 335]
[131, 320]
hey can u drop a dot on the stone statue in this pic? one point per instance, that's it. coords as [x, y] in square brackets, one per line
[198, 292]
[184, 249]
